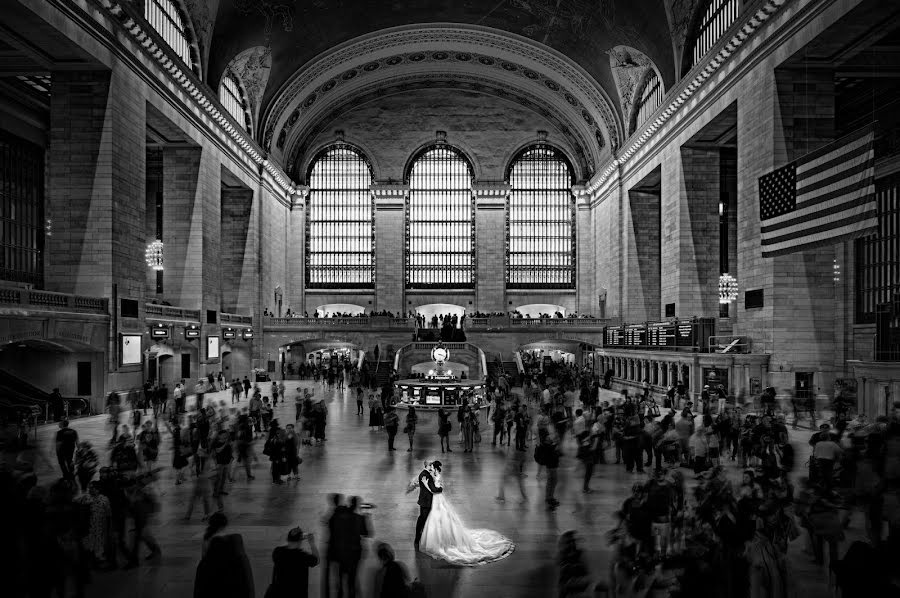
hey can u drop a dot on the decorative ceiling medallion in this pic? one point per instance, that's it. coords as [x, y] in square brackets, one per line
[440, 56]
[418, 57]
[551, 84]
[371, 67]
[310, 100]
[509, 66]
[485, 60]
[295, 115]
[329, 85]
[463, 57]
[349, 75]
[532, 75]
[394, 60]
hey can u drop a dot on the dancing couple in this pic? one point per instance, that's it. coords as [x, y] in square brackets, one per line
[440, 532]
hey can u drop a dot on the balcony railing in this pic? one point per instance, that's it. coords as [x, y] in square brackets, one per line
[493, 322]
[53, 301]
[236, 319]
[170, 312]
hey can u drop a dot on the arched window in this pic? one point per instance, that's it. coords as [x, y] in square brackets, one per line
[717, 18]
[232, 98]
[340, 236]
[540, 227]
[649, 100]
[166, 18]
[440, 217]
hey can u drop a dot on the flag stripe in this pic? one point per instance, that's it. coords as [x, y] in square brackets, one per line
[848, 187]
[836, 145]
[810, 170]
[805, 187]
[822, 198]
[848, 233]
[864, 213]
[835, 207]
[830, 198]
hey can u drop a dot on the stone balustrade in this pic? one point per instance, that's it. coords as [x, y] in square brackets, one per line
[235, 319]
[386, 322]
[171, 312]
[48, 300]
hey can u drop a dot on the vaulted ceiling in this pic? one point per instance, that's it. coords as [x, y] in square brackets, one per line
[568, 60]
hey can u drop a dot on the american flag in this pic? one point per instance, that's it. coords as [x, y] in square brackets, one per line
[823, 198]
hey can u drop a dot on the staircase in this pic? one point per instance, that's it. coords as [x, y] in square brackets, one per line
[511, 369]
[18, 395]
[383, 373]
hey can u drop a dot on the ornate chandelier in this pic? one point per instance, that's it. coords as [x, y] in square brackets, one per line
[154, 255]
[728, 288]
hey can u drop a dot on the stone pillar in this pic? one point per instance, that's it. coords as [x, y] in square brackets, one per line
[192, 228]
[585, 259]
[240, 247]
[95, 185]
[390, 246]
[641, 257]
[692, 240]
[297, 245]
[490, 246]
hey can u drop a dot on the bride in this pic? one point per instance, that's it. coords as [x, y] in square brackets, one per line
[445, 537]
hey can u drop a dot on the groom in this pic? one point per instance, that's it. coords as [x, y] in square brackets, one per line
[426, 491]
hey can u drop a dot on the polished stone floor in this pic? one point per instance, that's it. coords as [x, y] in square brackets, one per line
[355, 461]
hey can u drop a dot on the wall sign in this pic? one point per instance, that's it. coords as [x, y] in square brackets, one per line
[131, 349]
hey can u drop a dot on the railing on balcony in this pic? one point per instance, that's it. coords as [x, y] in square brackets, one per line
[340, 322]
[54, 301]
[236, 319]
[469, 324]
[170, 312]
[559, 322]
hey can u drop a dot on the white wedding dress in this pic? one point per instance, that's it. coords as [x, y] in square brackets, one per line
[445, 537]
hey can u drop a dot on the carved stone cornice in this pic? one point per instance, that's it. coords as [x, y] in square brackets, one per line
[390, 196]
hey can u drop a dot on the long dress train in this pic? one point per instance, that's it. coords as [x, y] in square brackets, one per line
[445, 537]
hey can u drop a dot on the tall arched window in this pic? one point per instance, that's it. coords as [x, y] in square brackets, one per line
[717, 18]
[540, 227]
[232, 98]
[440, 217]
[340, 236]
[649, 100]
[166, 18]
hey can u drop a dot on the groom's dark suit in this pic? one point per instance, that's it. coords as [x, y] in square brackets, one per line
[426, 491]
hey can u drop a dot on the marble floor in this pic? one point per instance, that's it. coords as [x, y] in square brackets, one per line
[355, 461]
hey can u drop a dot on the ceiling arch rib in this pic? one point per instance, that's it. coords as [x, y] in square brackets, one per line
[427, 50]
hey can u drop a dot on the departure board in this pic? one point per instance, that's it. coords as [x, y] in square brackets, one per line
[636, 335]
[613, 337]
[661, 334]
[684, 333]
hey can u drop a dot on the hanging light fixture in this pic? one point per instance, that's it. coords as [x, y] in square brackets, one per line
[154, 255]
[728, 288]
